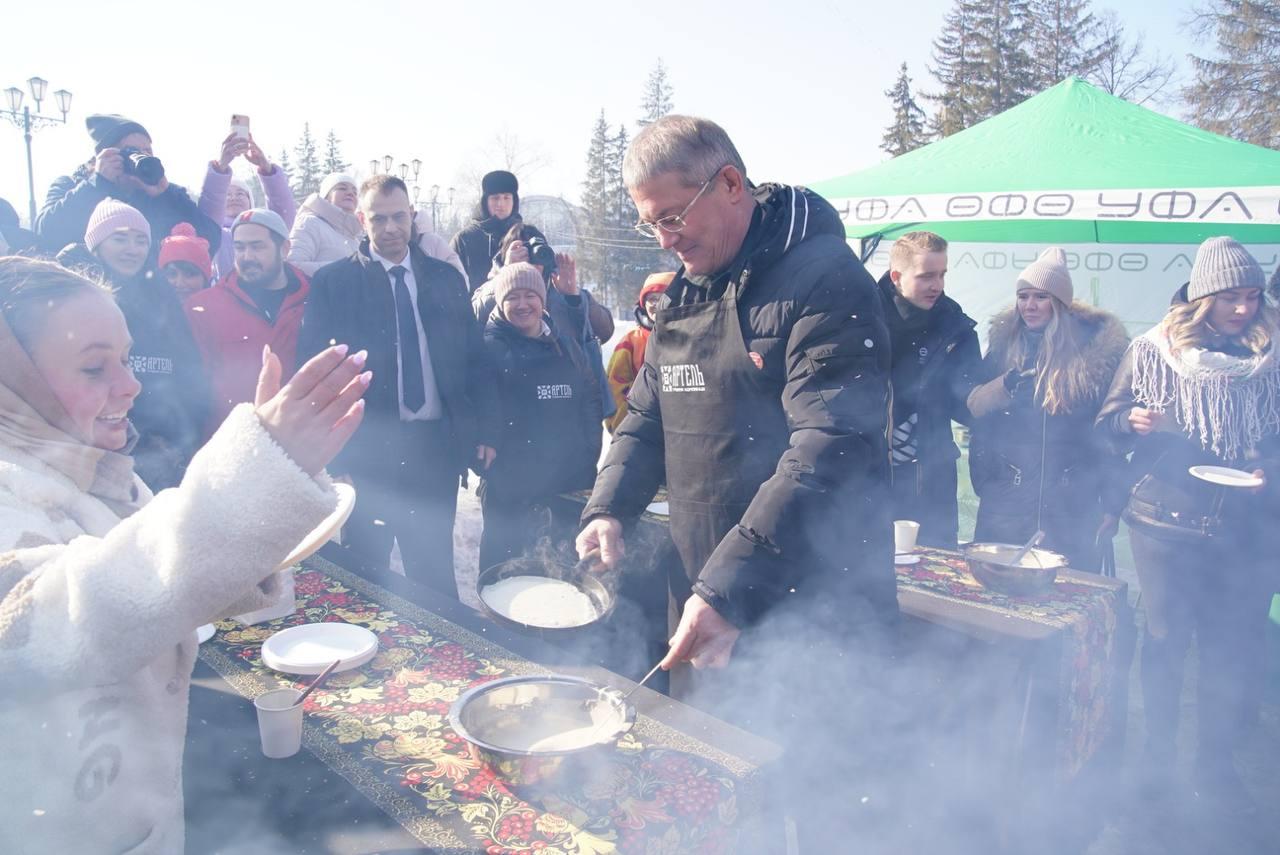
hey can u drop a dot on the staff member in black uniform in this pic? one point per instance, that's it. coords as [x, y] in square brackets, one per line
[763, 401]
[551, 413]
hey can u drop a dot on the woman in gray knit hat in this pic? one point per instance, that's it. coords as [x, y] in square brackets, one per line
[1034, 458]
[1203, 388]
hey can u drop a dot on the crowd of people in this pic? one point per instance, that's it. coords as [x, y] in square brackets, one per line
[792, 406]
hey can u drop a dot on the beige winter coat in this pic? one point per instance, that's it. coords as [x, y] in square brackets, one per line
[97, 626]
[324, 233]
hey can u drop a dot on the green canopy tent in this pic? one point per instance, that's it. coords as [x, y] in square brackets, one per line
[1127, 191]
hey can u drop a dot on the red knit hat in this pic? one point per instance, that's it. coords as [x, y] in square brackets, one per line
[655, 283]
[182, 244]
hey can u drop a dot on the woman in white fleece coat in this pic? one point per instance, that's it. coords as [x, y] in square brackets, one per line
[102, 585]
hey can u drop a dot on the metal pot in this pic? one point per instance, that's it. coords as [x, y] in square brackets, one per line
[1034, 574]
[583, 579]
[526, 728]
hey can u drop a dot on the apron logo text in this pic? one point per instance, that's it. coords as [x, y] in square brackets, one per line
[685, 377]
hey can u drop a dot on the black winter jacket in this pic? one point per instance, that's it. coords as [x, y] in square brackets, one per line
[352, 302]
[172, 409]
[478, 243]
[551, 414]
[72, 198]
[936, 360]
[821, 523]
[1166, 501]
[1034, 470]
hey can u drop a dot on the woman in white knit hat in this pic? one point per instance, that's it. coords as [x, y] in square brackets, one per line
[1034, 458]
[1203, 388]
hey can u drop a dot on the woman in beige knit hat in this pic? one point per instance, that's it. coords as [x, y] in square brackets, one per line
[1033, 456]
[1203, 388]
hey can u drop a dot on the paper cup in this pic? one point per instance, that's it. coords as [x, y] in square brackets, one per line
[279, 722]
[904, 535]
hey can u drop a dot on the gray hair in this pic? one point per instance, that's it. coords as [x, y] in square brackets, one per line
[691, 147]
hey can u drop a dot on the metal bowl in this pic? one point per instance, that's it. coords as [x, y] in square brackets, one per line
[584, 580]
[526, 728]
[1034, 575]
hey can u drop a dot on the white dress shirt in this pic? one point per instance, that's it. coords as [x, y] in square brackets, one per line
[432, 408]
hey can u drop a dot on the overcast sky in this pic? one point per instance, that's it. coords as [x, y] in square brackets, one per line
[799, 85]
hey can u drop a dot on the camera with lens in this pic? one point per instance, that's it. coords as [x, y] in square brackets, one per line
[147, 167]
[541, 253]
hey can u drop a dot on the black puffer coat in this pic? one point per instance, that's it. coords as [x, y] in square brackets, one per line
[936, 359]
[1166, 501]
[478, 242]
[1032, 470]
[72, 198]
[819, 523]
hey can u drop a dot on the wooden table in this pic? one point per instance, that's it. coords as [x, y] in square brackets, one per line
[381, 772]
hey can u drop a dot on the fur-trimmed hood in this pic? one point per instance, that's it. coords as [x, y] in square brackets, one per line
[1104, 341]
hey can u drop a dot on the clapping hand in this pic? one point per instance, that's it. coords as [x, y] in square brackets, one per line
[316, 412]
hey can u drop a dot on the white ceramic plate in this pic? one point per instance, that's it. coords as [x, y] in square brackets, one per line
[904, 558]
[662, 509]
[326, 530]
[208, 631]
[1225, 476]
[309, 649]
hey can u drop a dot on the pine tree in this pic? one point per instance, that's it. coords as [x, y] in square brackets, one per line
[333, 161]
[285, 166]
[1238, 93]
[592, 244]
[1000, 35]
[1064, 38]
[957, 70]
[307, 174]
[906, 133]
[657, 95]
[981, 62]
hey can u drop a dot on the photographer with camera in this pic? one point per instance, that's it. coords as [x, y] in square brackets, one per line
[125, 169]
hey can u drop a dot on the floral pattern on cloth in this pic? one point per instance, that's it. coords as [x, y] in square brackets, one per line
[384, 727]
[1089, 613]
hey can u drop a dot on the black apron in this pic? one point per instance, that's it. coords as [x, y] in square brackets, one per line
[722, 423]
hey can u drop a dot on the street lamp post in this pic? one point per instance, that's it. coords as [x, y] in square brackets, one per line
[22, 117]
[435, 208]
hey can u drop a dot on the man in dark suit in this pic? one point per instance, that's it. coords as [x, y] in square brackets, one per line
[431, 407]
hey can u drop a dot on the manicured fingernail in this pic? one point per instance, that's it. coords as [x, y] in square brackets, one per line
[365, 378]
[266, 351]
[360, 357]
[359, 407]
[341, 349]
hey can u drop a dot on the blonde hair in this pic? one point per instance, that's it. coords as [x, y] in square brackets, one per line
[1059, 382]
[910, 245]
[1187, 325]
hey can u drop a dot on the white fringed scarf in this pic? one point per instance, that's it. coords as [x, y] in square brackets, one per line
[1229, 402]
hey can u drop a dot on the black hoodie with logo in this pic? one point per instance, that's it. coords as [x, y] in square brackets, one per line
[820, 526]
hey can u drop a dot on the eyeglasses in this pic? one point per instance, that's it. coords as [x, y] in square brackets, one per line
[674, 223]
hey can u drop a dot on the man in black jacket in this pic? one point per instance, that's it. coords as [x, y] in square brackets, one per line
[935, 362]
[499, 211]
[111, 174]
[763, 400]
[429, 410]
